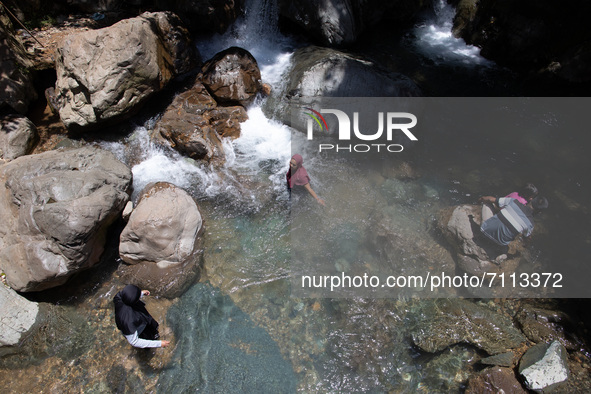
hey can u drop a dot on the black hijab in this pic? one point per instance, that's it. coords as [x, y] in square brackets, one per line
[131, 314]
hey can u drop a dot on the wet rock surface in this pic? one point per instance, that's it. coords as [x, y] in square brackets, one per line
[108, 74]
[18, 136]
[543, 326]
[56, 208]
[495, 380]
[194, 124]
[444, 323]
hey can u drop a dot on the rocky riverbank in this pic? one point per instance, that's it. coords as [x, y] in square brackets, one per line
[72, 234]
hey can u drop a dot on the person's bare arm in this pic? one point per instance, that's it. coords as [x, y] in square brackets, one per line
[313, 194]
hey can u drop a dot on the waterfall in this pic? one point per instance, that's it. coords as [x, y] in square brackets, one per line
[263, 143]
[435, 40]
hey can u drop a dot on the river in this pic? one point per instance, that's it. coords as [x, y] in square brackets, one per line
[241, 329]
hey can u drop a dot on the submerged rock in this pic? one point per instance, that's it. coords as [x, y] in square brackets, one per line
[542, 325]
[18, 136]
[495, 380]
[161, 240]
[221, 350]
[444, 323]
[544, 367]
[107, 74]
[17, 316]
[55, 210]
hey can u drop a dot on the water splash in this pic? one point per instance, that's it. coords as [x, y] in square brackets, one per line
[434, 39]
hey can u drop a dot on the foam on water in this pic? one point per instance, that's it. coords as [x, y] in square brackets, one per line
[435, 40]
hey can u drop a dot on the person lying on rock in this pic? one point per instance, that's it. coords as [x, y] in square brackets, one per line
[514, 218]
[298, 176]
[133, 319]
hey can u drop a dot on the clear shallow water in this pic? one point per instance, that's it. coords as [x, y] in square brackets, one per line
[240, 325]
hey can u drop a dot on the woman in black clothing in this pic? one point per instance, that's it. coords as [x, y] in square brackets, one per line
[135, 322]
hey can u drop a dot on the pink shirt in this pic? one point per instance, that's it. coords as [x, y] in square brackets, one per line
[516, 196]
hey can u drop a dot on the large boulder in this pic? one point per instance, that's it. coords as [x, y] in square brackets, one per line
[161, 240]
[107, 74]
[17, 316]
[472, 258]
[232, 76]
[323, 72]
[341, 22]
[444, 323]
[18, 136]
[16, 81]
[544, 367]
[193, 124]
[330, 73]
[55, 210]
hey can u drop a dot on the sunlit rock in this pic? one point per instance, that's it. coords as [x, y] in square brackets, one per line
[161, 240]
[106, 75]
[194, 124]
[55, 210]
[17, 316]
[232, 76]
[544, 367]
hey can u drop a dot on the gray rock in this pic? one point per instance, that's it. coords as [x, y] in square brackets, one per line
[443, 323]
[107, 74]
[161, 238]
[56, 208]
[471, 258]
[544, 367]
[17, 316]
[324, 73]
[18, 136]
[330, 73]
